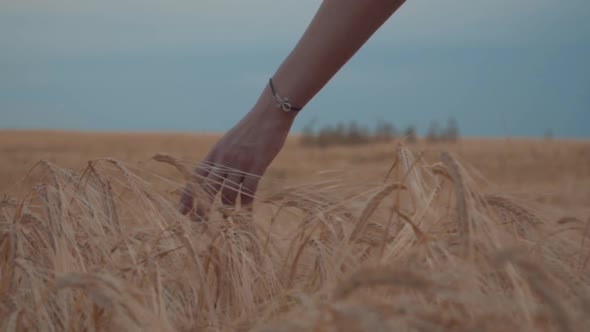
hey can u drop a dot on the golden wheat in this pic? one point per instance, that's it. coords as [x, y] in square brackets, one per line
[105, 248]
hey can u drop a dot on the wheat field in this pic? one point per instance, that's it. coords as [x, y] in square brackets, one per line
[481, 235]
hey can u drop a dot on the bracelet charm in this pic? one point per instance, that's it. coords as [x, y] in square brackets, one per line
[282, 103]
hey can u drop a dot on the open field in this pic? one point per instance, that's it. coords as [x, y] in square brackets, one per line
[557, 172]
[481, 235]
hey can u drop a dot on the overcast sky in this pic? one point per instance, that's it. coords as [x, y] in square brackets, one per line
[500, 67]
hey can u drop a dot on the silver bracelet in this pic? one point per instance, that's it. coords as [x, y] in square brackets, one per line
[283, 103]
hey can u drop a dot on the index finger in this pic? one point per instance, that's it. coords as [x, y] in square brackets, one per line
[187, 196]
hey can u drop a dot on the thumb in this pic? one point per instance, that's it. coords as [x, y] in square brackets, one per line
[186, 199]
[249, 187]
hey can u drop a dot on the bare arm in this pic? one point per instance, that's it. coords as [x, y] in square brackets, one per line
[338, 30]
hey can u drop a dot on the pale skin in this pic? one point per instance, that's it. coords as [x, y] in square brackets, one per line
[237, 161]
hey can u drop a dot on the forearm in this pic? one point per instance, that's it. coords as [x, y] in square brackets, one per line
[339, 29]
[336, 33]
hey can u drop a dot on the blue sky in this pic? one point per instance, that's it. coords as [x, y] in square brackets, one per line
[500, 67]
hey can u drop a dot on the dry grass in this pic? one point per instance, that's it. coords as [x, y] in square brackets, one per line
[432, 247]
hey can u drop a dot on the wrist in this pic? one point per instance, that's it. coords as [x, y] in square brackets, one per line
[269, 110]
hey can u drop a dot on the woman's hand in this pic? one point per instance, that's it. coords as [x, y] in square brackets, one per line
[236, 162]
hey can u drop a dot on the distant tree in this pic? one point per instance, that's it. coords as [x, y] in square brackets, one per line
[308, 137]
[326, 136]
[384, 132]
[451, 133]
[410, 134]
[548, 134]
[434, 132]
[351, 134]
[356, 134]
[340, 130]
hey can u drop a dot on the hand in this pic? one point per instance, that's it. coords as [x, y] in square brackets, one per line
[236, 162]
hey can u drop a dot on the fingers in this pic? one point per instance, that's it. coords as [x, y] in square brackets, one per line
[249, 186]
[186, 199]
[207, 188]
[187, 196]
[209, 179]
[213, 182]
[231, 187]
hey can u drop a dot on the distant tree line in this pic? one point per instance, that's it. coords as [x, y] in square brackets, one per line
[436, 133]
[354, 134]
